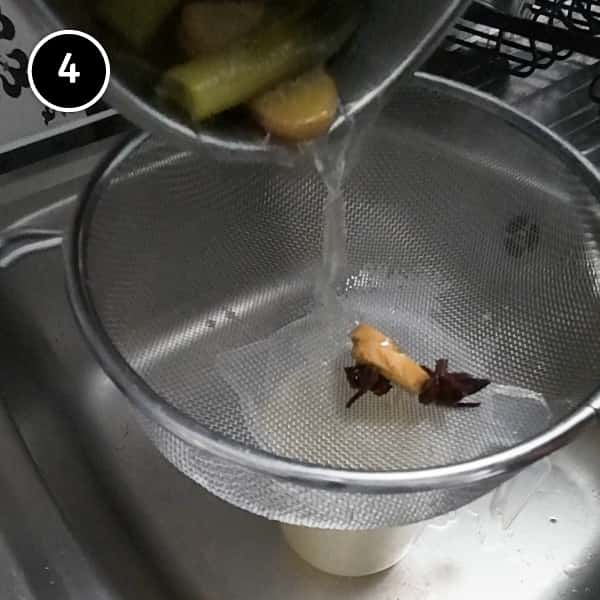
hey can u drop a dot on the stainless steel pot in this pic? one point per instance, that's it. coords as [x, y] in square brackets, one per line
[395, 38]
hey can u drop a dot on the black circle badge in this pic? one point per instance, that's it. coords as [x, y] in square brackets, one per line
[68, 71]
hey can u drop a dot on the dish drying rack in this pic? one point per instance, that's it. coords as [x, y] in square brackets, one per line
[542, 57]
[540, 34]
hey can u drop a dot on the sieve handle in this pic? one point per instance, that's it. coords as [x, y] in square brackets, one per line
[18, 243]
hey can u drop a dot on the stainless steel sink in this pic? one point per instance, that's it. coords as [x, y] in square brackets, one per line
[90, 509]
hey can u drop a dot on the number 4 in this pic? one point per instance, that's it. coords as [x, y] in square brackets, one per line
[72, 74]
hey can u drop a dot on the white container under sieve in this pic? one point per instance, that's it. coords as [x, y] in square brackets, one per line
[351, 553]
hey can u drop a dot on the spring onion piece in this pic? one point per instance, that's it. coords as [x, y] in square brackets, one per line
[306, 36]
[210, 26]
[135, 20]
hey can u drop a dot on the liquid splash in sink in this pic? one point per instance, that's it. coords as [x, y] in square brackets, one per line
[511, 497]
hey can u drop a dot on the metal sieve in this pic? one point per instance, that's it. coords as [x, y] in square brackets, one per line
[472, 235]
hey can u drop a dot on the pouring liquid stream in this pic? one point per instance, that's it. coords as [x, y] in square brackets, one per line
[334, 260]
[334, 159]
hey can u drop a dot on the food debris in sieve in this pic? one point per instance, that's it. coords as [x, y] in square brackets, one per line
[379, 363]
[450, 388]
[366, 379]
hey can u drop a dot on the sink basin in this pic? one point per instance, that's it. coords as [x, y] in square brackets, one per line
[143, 530]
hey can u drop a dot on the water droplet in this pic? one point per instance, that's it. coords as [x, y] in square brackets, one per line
[553, 520]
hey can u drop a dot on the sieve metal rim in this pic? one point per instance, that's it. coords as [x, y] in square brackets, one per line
[183, 427]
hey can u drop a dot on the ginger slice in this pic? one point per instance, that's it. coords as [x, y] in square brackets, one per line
[299, 109]
[373, 348]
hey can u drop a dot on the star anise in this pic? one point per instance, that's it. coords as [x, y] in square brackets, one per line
[366, 379]
[449, 389]
[442, 387]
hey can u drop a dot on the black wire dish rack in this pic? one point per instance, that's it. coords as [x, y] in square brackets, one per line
[575, 15]
[527, 37]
